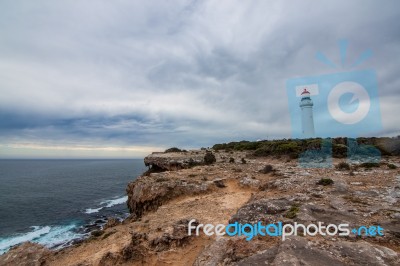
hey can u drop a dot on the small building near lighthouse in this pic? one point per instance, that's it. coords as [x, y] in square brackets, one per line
[307, 119]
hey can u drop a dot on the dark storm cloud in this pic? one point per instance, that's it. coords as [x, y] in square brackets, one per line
[188, 73]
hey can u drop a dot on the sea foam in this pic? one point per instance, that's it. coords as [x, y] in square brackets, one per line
[50, 236]
[107, 204]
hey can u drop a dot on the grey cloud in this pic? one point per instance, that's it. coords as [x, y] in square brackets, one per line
[187, 73]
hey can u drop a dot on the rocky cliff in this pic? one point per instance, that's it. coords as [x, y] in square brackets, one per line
[239, 188]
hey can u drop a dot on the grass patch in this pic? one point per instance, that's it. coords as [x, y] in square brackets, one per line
[173, 149]
[108, 234]
[292, 212]
[370, 165]
[209, 158]
[294, 147]
[325, 182]
[343, 166]
[267, 169]
[97, 233]
[354, 199]
[161, 179]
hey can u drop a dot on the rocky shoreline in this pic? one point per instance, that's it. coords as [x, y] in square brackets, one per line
[237, 187]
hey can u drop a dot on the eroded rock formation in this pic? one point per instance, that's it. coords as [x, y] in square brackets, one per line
[162, 203]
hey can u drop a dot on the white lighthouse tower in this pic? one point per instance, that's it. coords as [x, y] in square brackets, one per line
[307, 120]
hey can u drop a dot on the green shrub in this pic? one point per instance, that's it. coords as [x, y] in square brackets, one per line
[97, 233]
[239, 146]
[108, 234]
[339, 151]
[293, 147]
[263, 151]
[392, 166]
[343, 166]
[292, 212]
[325, 182]
[288, 148]
[267, 169]
[209, 158]
[173, 149]
[192, 163]
[311, 144]
[370, 165]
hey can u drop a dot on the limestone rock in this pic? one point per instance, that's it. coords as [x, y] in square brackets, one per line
[300, 251]
[148, 193]
[174, 160]
[29, 254]
[260, 210]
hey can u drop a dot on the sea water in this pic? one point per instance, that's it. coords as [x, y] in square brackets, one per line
[57, 202]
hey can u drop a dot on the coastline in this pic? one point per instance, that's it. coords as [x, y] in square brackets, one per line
[162, 202]
[78, 197]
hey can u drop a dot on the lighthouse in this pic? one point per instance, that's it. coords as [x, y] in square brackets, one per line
[307, 120]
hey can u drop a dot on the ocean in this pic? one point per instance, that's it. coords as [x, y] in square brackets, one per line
[59, 202]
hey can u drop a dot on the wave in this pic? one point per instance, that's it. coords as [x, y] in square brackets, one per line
[89, 211]
[49, 236]
[114, 202]
[107, 204]
[55, 237]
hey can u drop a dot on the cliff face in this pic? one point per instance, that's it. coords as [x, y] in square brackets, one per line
[245, 191]
[174, 160]
[147, 193]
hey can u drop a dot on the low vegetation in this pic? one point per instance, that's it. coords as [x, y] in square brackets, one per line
[267, 169]
[97, 233]
[354, 199]
[325, 182]
[370, 165]
[108, 234]
[173, 149]
[209, 158]
[161, 179]
[338, 147]
[343, 166]
[292, 212]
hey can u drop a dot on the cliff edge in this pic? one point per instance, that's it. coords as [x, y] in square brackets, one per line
[237, 187]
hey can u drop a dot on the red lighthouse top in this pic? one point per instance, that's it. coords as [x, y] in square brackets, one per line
[305, 91]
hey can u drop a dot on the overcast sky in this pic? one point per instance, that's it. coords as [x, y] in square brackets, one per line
[125, 78]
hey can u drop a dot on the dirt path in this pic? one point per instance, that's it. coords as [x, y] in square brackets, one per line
[215, 207]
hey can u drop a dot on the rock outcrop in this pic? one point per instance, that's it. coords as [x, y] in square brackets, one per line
[300, 251]
[148, 193]
[172, 161]
[26, 254]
